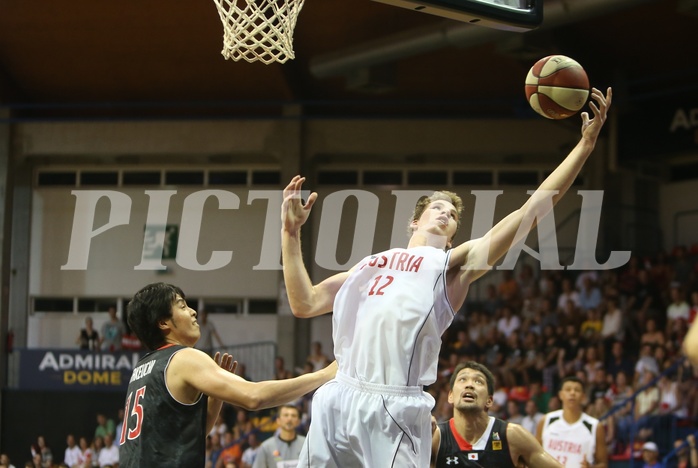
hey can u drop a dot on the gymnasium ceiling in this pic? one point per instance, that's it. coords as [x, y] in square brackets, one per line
[135, 59]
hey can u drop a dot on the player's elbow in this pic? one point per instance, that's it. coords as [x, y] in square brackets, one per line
[303, 309]
[252, 403]
[691, 352]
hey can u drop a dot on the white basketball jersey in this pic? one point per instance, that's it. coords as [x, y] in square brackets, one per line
[570, 443]
[389, 316]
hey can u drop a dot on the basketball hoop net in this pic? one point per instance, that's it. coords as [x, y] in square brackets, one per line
[258, 30]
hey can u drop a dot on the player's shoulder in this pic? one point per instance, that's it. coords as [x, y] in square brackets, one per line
[552, 417]
[588, 418]
[553, 414]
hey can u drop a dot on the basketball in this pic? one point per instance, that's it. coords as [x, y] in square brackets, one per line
[557, 87]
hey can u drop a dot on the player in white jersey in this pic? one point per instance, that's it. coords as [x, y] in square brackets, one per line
[569, 434]
[390, 311]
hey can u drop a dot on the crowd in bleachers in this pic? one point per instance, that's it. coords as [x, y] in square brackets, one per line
[617, 330]
[620, 331]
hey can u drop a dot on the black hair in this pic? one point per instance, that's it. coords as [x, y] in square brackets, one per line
[478, 367]
[571, 378]
[149, 306]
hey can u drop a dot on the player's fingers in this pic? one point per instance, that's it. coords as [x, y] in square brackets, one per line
[585, 119]
[217, 357]
[311, 201]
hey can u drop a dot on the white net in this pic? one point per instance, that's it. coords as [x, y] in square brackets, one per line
[258, 30]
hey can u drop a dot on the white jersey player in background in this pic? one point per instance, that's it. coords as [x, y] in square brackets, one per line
[569, 434]
[390, 311]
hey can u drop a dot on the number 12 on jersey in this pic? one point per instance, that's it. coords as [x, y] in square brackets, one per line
[380, 282]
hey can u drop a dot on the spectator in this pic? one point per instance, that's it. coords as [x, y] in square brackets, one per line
[571, 355]
[528, 287]
[42, 450]
[619, 395]
[72, 452]
[681, 265]
[285, 444]
[617, 361]
[687, 455]
[652, 335]
[612, 326]
[232, 451]
[647, 298]
[508, 322]
[214, 449]
[5, 460]
[508, 289]
[88, 338]
[250, 453]
[532, 417]
[112, 332]
[514, 412]
[109, 455]
[646, 362]
[219, 427]
[85, 457]
[242, 425]
[316, 357]
[567, 294]
[592, 325]
[280, 371]
[492, 302]
[598, 409]
[208, 333]
[650, 455]
[598, 385]
[646, 405]
[678, 310]
[97, 447]
[35, 462]
[589, 295]
[105, 426]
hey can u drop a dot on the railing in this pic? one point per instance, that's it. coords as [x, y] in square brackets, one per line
[674, 453]
[257, 358]
[631, 399]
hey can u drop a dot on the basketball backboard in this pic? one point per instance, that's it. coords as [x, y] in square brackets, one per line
[511, 15]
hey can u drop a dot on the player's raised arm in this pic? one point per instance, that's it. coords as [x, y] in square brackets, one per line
[478, 255]
[305, 299]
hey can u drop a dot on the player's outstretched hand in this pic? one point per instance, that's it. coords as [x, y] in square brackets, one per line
[226, 362]
[294, 213]
[592, 127]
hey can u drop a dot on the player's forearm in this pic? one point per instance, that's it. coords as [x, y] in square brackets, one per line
[273, 393]
[299, 287]
[212, 412]
[561, 179]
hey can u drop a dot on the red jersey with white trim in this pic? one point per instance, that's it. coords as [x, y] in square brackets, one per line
[389, 316]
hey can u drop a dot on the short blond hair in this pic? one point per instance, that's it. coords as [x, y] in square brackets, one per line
[444, 195]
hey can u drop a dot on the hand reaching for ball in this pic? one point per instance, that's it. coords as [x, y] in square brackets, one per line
[592, 126]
